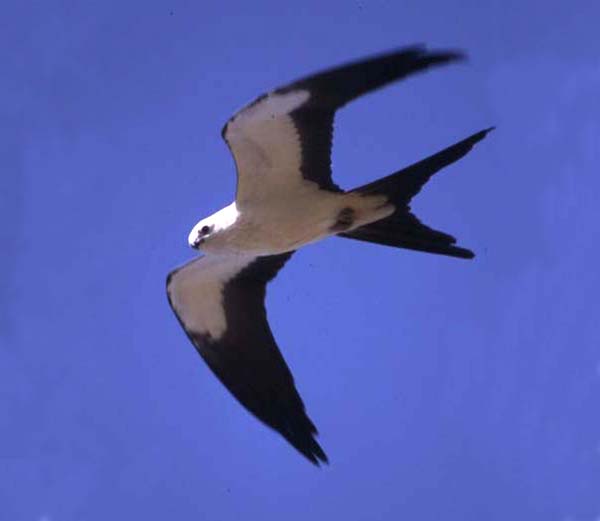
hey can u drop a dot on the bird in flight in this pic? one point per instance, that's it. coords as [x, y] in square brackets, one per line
[285, 199]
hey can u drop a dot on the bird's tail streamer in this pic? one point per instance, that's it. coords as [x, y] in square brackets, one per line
[402, 229]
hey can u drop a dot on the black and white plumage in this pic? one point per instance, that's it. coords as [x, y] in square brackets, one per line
[285, 199]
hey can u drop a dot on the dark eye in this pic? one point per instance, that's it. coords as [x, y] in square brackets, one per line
[205, 229]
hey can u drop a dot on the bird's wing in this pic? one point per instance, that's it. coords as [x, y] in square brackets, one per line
[284, 136]
[219, 301]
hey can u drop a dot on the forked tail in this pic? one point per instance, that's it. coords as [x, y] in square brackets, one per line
[402, 229]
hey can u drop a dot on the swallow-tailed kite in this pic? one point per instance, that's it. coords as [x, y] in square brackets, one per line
[281, 143]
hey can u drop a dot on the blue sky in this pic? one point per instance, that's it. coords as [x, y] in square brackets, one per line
[443, 389]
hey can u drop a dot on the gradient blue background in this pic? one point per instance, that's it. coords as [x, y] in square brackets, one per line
[443, 389]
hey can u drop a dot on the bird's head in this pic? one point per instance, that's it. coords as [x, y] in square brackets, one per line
[207, 230]
[201, 233]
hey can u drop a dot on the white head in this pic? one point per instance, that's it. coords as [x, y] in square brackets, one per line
[207, 230]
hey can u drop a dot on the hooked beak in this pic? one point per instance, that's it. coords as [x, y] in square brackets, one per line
[196, 242]
[195, 239]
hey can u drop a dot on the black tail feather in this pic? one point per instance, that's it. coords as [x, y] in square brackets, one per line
[406, 231]
[402, 229]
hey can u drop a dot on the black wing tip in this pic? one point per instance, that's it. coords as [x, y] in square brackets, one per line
[424, 57]
[349, 80]
[301, 434]
[313, 452]
[462, 253]
[482, 133]
[463, 147]
[468, 143]
[422, 50]
[441, 55]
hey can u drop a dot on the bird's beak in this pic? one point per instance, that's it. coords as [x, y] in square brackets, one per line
[194, 239]
[196, 243]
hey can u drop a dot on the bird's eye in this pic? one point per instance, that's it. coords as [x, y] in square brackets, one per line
[205, 229]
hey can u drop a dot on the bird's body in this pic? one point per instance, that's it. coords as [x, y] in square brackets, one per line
[286, 199]
[287, 223]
